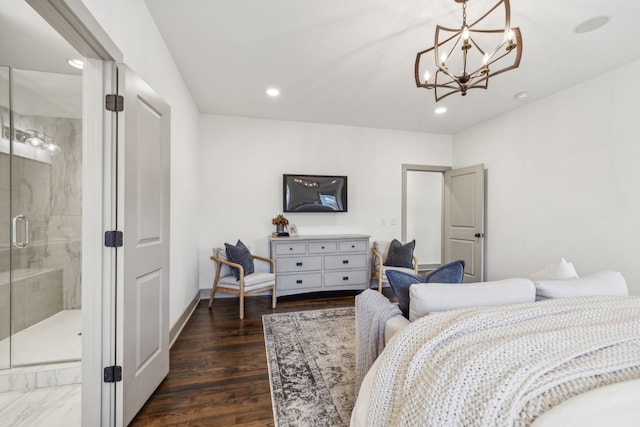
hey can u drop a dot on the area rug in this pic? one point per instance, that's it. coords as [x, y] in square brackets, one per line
[311, 358]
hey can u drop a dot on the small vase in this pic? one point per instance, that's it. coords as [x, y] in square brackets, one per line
[280, 228]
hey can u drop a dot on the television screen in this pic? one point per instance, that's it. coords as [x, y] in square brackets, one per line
[314, 193]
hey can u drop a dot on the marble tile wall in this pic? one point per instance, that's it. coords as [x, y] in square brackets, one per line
[51, 195]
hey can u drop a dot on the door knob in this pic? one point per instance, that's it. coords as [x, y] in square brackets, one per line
[478, 235]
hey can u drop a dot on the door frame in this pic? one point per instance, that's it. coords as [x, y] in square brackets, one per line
[76, 24]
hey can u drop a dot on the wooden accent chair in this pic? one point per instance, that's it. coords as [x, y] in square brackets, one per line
[225, 281]
[379, 252]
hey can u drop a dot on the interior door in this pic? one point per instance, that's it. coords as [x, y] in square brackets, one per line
[464, 219]
[143, 261]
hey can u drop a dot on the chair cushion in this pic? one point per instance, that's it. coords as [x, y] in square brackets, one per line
[221, 253]
[382, 247]
[400, 255]
[240, 255]
[400, 281]
[386, 268]
[452, 272]
[251, 281]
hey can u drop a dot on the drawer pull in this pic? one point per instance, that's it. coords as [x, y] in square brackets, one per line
[323, 247]
[290, 249]
[345, 261]
[298, 264]
[299, 281]
[353, 246]
[345, 278]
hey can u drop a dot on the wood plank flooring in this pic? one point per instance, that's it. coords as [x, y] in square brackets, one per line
[218, 367]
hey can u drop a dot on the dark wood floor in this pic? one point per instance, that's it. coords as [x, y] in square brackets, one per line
[218, 368]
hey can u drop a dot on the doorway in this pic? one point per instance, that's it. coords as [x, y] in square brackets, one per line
[422, 208]
[41, 208]
[443, 209]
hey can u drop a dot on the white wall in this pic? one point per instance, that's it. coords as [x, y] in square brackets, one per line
[131, 27]
[563, 179]
[242, 162]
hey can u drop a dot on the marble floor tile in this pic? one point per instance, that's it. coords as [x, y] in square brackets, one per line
[42, 407]
[55, 339]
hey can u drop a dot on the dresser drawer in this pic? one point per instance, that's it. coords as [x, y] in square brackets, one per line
[306, 263]
[354, 246]
[339, 262]
[290, 248]
[345, 278]
[322, 247]
[298, 281]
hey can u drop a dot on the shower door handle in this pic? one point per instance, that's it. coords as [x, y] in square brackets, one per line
[26, 221]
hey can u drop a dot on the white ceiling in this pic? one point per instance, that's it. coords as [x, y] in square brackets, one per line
[347, 61]
[351, 61]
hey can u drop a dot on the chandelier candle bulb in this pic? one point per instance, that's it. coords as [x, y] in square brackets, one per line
[465, 34]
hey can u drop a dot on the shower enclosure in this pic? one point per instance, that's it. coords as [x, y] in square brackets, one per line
[40, 217]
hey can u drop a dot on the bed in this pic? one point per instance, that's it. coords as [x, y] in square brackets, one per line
[570, 361]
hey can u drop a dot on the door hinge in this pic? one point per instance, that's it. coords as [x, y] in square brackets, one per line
[114, 103]
[112, 374]
[113, 239]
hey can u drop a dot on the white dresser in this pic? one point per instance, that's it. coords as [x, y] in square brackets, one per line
[316, 263]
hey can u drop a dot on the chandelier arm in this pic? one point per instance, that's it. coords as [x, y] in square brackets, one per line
[477, 85]
[507, 13]
[518, 49]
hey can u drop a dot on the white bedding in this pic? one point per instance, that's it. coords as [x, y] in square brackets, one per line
[394, 387]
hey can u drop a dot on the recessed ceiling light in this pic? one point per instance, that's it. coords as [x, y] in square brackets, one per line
[440, 110]
[76, 63]
[521, 96]
[273, 92]
[591, 24]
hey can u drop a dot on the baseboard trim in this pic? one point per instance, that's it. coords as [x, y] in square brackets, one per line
[177, 328]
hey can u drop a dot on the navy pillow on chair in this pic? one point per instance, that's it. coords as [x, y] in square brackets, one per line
[400, 282]
[240, 255]
[400, 255]
[448, 273]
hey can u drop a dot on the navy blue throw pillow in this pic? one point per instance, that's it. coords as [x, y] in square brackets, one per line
[400, 255]
[240, 255]
[400, 282]
[448, 273]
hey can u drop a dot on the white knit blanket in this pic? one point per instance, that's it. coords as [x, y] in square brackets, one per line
[504, 366]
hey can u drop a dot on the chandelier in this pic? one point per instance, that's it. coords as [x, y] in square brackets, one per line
[466, 57]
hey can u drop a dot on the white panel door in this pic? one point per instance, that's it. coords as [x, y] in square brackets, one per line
[143, 264]
[464, 220]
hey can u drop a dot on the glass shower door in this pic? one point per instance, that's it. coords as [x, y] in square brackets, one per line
[5, 221]
[46, 207]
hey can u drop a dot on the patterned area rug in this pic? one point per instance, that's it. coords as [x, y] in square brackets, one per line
[311, 358]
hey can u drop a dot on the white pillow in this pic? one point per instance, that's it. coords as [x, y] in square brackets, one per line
[559, 271]
[603, 283]
[225, 270]
[425, 298]
[382, 247]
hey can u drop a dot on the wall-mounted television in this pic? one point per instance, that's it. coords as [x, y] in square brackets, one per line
[314, 193]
